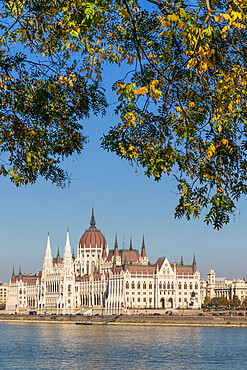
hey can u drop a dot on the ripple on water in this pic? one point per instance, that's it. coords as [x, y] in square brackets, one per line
[46, 346]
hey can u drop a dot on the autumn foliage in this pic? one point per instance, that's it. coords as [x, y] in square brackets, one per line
[182, 107]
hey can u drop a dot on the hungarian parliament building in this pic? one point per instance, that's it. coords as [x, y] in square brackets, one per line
[103, 280]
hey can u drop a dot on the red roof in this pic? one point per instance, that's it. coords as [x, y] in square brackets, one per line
[132, 256]
[160, 262]
[185, 270]
[92, 238]
[142, 269]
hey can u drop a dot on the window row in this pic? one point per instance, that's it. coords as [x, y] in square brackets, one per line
[139, 285]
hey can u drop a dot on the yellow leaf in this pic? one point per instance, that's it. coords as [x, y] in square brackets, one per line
[217, 18]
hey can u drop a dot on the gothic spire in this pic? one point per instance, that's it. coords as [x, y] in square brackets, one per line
[58, 253]
[13, 272]
[48, 256]
[182, 261]
[67, 249]
[194, 261]
[20, 270]
[143, 252]
[131, 247]
[92, 222]
[116, 247]
[73, 254]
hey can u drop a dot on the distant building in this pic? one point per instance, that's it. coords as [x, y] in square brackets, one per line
[223, 287]
[103, 280]
[4, 293]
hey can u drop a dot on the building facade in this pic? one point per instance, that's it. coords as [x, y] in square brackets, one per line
[104, 281]
[222, 287]
[4, 293]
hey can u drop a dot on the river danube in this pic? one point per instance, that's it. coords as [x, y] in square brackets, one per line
[67, 346]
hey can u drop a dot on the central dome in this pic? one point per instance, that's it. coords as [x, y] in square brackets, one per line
[92, 238]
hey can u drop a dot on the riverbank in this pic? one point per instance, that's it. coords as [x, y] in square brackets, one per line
[177, 321]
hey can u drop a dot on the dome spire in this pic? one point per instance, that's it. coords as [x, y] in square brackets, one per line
[92, 222]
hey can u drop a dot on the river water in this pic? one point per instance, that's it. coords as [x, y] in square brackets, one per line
[65, 346]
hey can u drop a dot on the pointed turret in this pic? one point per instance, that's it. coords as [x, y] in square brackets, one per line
[20, 274]
[13, 275]
[58, 260]
[194, 264]
[116, 253]
[182, 261]
[48, 256]
[131, 247]
[143, 252]
[194, 260]
[67, 250]
[92, 222]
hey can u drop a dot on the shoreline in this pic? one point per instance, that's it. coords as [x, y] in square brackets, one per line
[189, 322]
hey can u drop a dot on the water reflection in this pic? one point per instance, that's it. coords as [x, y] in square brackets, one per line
[63, 346]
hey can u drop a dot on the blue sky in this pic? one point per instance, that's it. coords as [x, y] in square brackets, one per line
[125, 202]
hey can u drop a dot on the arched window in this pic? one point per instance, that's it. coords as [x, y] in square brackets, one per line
[144, 285]
[185, 286]
[191, 287]
[133, 285]
[69, 288]
[150, 286]
[164, 285]
[168, 285]
[196, 286]
[160, 286]
[92, 267]
[127, 285]
[179, 286]
[138, 285]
